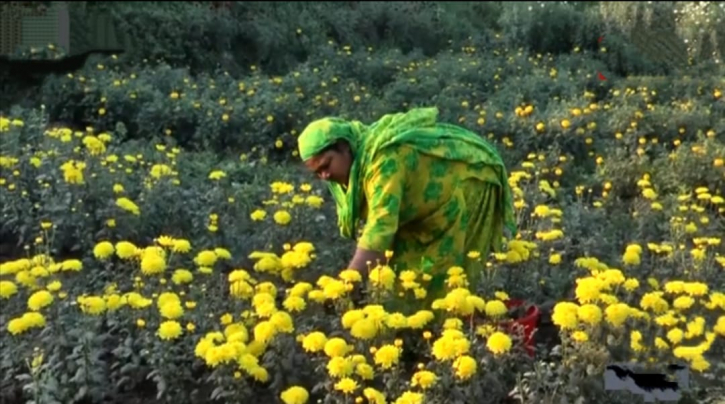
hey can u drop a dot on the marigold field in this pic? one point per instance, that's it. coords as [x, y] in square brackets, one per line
[142, 262]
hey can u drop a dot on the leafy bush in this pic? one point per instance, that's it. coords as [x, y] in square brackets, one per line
[109, 279]
[224, 114]
[177, 190]
[160, 241]
[280, 36]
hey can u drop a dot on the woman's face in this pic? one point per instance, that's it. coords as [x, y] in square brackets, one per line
[332, 165]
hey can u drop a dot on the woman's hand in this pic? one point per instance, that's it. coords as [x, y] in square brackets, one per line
[362, 257]
[360, 263]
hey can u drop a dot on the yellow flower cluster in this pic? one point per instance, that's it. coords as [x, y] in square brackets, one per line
[670, 308]
[650, 316]
[294, 258]
[285, 199]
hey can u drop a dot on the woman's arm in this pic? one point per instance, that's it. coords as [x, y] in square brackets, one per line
[383, 187]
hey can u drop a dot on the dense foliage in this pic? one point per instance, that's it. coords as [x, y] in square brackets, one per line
[161, 243]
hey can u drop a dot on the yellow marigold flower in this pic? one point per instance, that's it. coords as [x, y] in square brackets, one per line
[450, 345]
[39, 299]
[555, 259]
[39, 272]
[222, 253]
[495, 308]
[217, 175]
[181, 246]
[113, 302]
[350, 275]
[126, 250]
[264, 304]
[631, 258]
[675, 287]
[541, 211]
[172, 310]
[169, 330]
[182, 276]
[696, 288]
[282, 217]
[580, 336]
[410, 397]
[498, 343]
[258, 215]
[382, 277]
[259, 374]
[396, 321]
[719, 327]
[351, 317]
[54, 286]
[667, 320]
[103, 250]
[590, 314]
[636, 341]
[649, 193]
[335, 289]
[453, 324]
[675, 335]
[236, 332]
[25, 322]
[654, 302]
[661, 344]
[295, 395]
[206, 258]
[364, 329]
[294, 304]
[565, 315]
[7, 289]
[423, 379]
[373, 396]
[617, 314]
[695, 328]
[631, 284]
[346, 385]
[420, 319]
[137, 301]
[340, 366]
[166, 298]
[589, 289]
[315, 342]
[282, 322]
[165, 241]
[387, 356]
[152, 264]
[683, 302]
[93, 305]
[128, 205]
[314, 201]
[72, 265]
[465, 367]
[700, 364]
[501, 295]
[365, 371]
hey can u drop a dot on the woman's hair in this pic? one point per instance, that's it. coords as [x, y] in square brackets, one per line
[339, 146]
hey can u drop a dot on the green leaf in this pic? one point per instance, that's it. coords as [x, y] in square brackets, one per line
[81, 393]
[23, 378]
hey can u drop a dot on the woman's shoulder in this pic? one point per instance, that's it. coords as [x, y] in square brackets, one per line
[400, 155]
[405, 160]
[392, 150]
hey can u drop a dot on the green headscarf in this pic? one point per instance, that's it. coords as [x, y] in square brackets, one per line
[418, 128]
